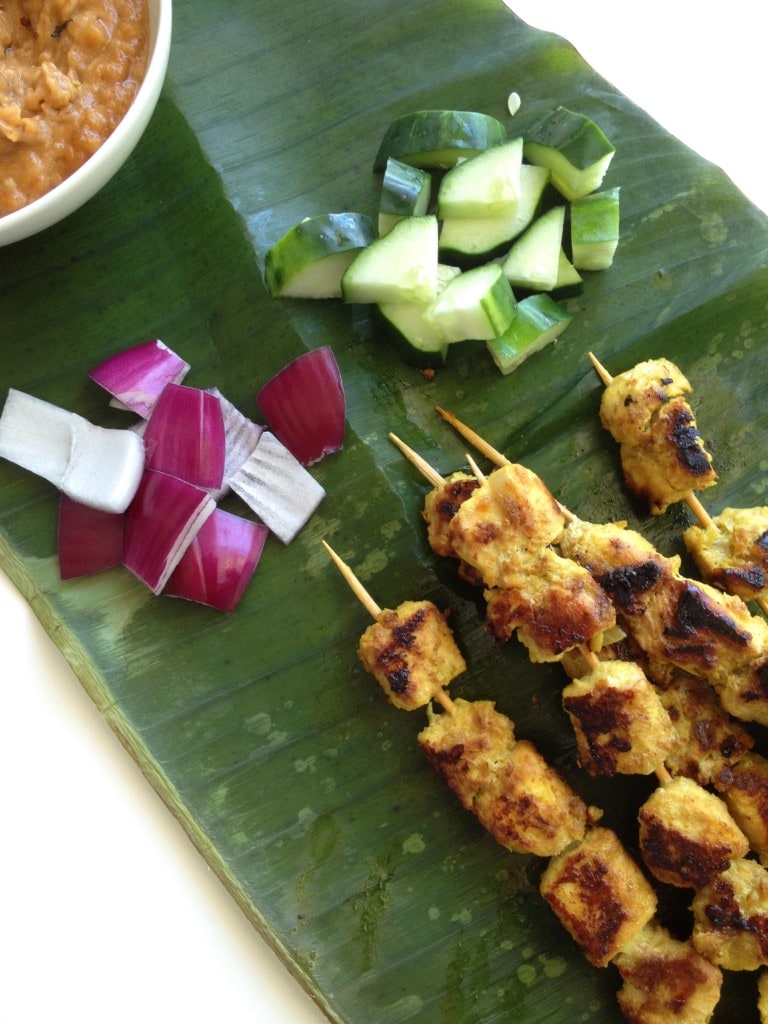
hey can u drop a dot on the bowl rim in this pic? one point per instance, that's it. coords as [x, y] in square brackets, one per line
[102, 165]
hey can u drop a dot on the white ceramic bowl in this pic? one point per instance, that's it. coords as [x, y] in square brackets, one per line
[107, 160]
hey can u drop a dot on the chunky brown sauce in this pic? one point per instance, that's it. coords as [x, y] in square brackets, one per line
[70, 69]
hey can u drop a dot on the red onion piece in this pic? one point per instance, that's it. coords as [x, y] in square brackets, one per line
[137, 376]
[90, 541]
[241, 436]
[185, 436]
[304, 405]
[160, 524]
[219, 563]
[274, 485]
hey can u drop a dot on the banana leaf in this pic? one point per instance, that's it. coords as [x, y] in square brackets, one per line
[302, 788]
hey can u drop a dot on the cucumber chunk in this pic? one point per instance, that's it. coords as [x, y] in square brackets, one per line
[533, 260]
[400, 267]
[538, 321]
[478, 304]
[575, 150]
[438, 138]
[486, 185]
[595, 230]
[410, 328]
[405, 192]
[569, 280]
[309, 260]
[471, 240]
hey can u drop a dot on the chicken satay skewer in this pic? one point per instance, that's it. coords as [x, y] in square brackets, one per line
[701, 514]
[690, 498]
[662, 774]
[438, 692]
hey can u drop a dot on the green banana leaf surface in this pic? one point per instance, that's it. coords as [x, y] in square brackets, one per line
[302, 787]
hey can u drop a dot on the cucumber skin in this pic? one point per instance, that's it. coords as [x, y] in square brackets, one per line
[573, 135]
[405, 191]
[538, 321]
[438, 138]
[595, 229]
[313, 239]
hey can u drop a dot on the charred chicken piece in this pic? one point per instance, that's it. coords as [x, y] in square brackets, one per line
[520, 799]
[509, 518]
[599, 894]
[621, 725]
[710, 742]
[662, 453]
[412, 653]
[731, 917]
[732, 552]
[747, 800]
[687, 835]
[666, 980]
[553, 604]
[441, 505]
[675, 620]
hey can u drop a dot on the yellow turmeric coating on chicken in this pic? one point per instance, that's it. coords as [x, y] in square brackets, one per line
[747, 800]
[676, 620]
[730, 917]
[662, 453]
[621, 725]
[732, 552]
[666, 980]
[687, 834]
[504, 522]
[553, 604]
[441, 505]
[709, 742]
[412, 653]
[520, 799]
[599, 894]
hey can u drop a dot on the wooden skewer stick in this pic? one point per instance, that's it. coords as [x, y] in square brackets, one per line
[469, 435]
[415, 459]
[373, 608]
[476, 471]
[693, 503]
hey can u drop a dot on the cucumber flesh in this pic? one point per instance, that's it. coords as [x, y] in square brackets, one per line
[309, 260]
[478, 304]
[538, 321]
[409, 327]
[569, 280]
[574, 149]
[532, 262]
[469, 240]
[405, 192]
[438, 138]
[595, 230]
[400, 267]
[487, 185]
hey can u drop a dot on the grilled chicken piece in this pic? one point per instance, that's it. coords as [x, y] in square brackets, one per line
[687, 624]
[666, 981]
[508, 519]
[732, 552]
[762, 997]
[441, 505]
[554, 604]
[687, 834]
[662, 454]
[710, 742]
[412, 653]
[730, 916]
[521, 800]
[599, 894]
[747, 800]
[621, 725]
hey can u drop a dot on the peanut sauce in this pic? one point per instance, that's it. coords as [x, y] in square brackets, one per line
[70, 71]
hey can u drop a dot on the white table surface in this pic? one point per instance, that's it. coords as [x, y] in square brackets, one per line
[168, 943]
